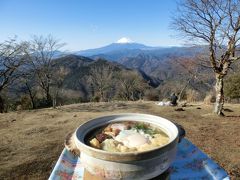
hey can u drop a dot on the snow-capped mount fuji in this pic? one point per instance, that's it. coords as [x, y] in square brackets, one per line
[123, 45]
[124, 40]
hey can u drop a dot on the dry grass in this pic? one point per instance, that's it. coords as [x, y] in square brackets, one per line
[31, 141]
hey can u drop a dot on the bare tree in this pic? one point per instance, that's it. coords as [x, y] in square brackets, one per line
[130, 85]
[42, 52]
[26, 85]
[217, 24]
[12, 57]
[101, 78]
[191, 73]
[57, 83]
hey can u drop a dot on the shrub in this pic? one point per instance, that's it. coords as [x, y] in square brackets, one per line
[95, 99]
[43, 103]
[232, 86]
[25, 103]
[209, 98]
[151, 95]
[192, 96]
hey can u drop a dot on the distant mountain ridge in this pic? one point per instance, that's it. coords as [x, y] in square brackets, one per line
[125, 47]
[114, 47]
[153, 61]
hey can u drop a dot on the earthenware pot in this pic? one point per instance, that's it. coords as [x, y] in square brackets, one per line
[132, 165]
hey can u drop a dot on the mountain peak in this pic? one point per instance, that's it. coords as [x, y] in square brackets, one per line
[124, 40]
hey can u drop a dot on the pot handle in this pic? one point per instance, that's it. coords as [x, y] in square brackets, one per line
[181, 132]
[70, 144]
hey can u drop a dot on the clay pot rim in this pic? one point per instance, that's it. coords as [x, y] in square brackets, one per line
[128, 156]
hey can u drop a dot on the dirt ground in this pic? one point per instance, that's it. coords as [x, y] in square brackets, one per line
[31, 141]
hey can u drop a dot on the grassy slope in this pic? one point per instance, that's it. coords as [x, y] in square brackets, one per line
[31, 141]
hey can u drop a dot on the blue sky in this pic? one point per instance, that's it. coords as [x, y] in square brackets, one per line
[84, 24]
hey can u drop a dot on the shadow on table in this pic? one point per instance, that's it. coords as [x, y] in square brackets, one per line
[163, 176]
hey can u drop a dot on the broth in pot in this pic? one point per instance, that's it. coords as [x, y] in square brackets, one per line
[127, 136]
